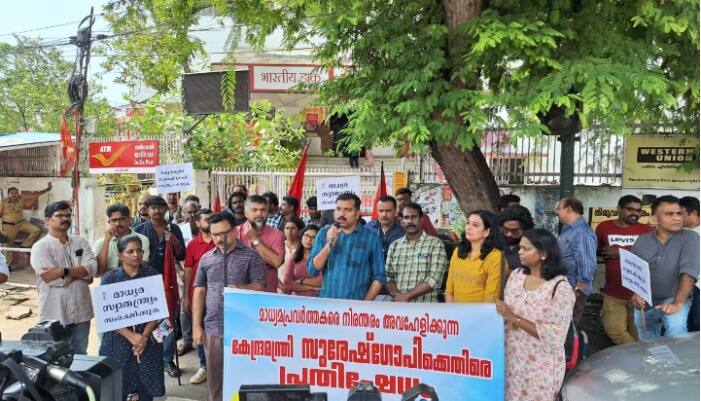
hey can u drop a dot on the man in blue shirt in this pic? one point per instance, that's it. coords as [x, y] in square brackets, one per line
[349, 256]
[578, 246]
[387, 225]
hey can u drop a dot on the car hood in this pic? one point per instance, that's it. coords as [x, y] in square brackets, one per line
[641, 371]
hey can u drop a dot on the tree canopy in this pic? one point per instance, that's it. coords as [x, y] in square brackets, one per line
[440, 73]
[33, 84]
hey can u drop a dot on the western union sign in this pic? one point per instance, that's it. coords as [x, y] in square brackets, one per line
[653, 161]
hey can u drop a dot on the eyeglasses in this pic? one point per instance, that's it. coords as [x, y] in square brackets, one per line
[309, 236]
[221, 234]
[131, 251]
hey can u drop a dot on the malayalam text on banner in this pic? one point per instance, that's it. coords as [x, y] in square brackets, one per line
[332, 344]
[327, 190]
[129, 303]
[635, 275]
[174, 178]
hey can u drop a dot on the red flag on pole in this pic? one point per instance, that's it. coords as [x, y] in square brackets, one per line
[298, 182]
[170, 283]
[216, 207]
[381, 191]
[67, 149]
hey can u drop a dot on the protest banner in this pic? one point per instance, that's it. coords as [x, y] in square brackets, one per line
[174, 178]
[327, 190]
[332, 344]
[635, 275]
[129, 303]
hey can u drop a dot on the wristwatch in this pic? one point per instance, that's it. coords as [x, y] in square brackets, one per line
[255, 242]
[65, 272]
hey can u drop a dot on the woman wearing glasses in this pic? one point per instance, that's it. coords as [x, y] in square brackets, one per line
[140, 357]
[297, 278]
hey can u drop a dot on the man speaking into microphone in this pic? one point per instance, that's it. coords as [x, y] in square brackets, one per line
[349, 256]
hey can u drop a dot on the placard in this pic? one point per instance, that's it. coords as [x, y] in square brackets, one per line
[599, 214]
[332, 344]
[635, 275]
[129, 303]
[400, 179]
[174, 178]
[123, 157]
[327, 190]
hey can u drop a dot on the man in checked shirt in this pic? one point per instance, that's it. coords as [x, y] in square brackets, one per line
[416, 262]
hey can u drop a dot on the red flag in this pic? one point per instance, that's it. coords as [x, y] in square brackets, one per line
[216, 207]
[170, 283]
[381, 191]
[298, 182]
[67, 149]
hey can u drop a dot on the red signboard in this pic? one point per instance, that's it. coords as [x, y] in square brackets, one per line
[124, 157]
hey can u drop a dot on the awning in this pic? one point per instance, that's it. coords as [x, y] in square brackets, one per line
[24, 140]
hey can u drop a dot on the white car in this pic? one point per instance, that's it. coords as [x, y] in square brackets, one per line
[663, 370]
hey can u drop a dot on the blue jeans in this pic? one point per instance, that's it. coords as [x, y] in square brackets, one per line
[185, 320]
[674, 325]
[78, 334]
[203, 359]
[169, 348]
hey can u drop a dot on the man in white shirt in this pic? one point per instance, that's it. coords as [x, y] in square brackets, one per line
[64, 265]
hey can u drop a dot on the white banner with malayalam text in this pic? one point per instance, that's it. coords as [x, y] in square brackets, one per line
[129, 303]
[332, 344]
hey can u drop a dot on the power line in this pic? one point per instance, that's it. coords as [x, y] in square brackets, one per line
[40, 28]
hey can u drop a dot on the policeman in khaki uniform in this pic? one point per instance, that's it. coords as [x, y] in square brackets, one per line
[13, 222]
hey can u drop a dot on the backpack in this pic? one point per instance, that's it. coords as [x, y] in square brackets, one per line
[575, 342]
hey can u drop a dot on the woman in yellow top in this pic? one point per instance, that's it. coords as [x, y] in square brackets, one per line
[474, 274]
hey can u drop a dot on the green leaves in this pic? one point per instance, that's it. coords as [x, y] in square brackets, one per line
[228, 90]
[33, 83]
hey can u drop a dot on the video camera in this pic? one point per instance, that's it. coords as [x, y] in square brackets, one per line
[42, 367]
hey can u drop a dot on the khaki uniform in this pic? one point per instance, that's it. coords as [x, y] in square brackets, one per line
[13, 223]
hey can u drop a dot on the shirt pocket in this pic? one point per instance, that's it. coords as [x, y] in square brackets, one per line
[358, 256]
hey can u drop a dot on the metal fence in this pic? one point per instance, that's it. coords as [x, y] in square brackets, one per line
[279, 181]
[41, 161]
[536, 161]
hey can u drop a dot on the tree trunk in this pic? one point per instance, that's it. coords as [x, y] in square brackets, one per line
[466, 172]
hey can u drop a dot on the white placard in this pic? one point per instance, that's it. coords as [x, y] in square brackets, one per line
[635, 275]
[174, 178]
[328, 190]
[129, 303]
[187, 232]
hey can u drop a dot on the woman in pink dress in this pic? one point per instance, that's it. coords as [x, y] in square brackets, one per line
[297, 278]
[537, 311]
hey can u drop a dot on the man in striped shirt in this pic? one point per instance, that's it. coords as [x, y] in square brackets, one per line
[578, 246]
[349, 256]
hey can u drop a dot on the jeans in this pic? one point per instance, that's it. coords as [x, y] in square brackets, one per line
[201, 355]
[169, 348]
[674, 325]
[185, 321]
[78, 334]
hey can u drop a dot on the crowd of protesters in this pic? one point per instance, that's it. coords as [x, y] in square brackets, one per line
[538, 282]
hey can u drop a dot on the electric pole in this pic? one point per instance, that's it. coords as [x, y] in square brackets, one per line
[78, 94]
